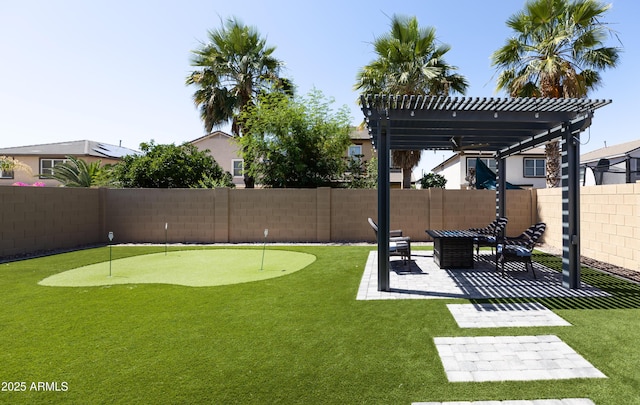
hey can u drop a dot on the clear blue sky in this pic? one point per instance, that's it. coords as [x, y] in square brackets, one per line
[114, 70]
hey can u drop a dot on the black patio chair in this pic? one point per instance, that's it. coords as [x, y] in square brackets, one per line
[489, 235]
[520, 248]
[398, 245]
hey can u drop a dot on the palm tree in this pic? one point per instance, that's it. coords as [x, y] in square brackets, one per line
[409, 61]
[557, 51]
[76, 172]
[233, 68]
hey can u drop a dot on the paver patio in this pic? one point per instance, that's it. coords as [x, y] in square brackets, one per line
[422, 279]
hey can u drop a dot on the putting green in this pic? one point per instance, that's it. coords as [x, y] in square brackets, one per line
[194, 268]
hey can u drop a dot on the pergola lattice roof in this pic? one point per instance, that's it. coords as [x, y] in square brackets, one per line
[487, 124]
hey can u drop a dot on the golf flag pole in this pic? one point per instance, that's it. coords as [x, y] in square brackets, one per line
[110, 235]
[264, 245]
[166, 225]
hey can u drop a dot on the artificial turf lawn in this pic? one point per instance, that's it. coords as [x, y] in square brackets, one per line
[194, 268]
[296, 339]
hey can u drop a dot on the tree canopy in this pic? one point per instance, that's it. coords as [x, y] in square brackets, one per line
[295, 142]
[170, 166]
[558, 50]
[433, 180]
[233, 68]
[409, 61]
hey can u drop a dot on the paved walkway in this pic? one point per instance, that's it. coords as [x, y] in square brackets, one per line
[491, 358]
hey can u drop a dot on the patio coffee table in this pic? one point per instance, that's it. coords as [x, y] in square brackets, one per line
[453, 249]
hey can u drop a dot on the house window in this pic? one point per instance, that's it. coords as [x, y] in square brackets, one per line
[489, 162]
[6, 174]
[47, 165]
[238, 167]
[534, 168]
[355, 151]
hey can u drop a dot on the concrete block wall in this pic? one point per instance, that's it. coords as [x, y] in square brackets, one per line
[521, 211]
[549, 208]
[290, 215]
[609, 222]
[140, 215]
[36, 218]
[349, 210]
[47, 218]
[410, 211]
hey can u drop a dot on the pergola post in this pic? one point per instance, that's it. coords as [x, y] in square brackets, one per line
[383, 204]
[501, 187]
[570, 207]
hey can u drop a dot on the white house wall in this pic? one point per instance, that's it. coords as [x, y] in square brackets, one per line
[455, 171]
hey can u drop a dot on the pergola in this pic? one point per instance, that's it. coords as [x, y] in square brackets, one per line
[505, 126]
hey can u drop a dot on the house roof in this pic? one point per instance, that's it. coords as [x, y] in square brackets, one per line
[613, 151]
[359, 134]
[72, 148]
[212, 135]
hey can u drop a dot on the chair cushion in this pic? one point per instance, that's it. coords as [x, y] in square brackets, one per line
[515, 250]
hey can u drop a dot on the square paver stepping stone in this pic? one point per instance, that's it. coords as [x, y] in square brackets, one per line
[511, 358]
[504, 315]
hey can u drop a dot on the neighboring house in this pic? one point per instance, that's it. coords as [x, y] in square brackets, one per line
[361, 145]
[526, 169]
[226, 151]
[614, 164]
[43, 158]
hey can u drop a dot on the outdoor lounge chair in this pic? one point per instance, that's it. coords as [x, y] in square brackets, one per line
[520, 248]
[490, 234]
[398, 245]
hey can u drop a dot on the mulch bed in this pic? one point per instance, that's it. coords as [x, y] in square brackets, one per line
[610, 268]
